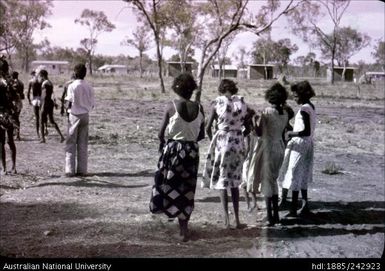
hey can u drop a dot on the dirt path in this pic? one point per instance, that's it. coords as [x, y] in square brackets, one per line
[106, 214]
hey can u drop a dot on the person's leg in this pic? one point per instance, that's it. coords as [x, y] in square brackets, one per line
[254, 198]
[17, 120]
[275, 209]
[12, 147]
[43, 123]
[2, 150]
[51, 119]
[246, 197]
[36, 111]
[294, 203]
[270, 220]
[183, 227]
[70, 145]
[224, 201]
[305, 209]
[235, 200]
[82, 145]
[283, 202]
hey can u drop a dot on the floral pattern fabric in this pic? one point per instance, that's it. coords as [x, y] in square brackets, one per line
[226, 154]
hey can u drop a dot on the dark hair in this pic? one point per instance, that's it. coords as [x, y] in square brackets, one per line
[303, 89]
[33, 72]
[80, 71]
[184, 85]
[15, 74]
[276, 94]
[227, 85]
[43, 73]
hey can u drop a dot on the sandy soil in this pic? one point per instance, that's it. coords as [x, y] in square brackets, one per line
[105, 214]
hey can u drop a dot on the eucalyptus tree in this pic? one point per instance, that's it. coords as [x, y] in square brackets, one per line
[379, 53]
[18, 22]
[96, 23]
[182, 23]
[348, 42]
[305, 23]
[151, 12]
[141, 41]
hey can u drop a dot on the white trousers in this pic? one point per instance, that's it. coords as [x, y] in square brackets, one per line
[76, 148]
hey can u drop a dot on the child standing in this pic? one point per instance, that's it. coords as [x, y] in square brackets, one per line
[226, 154]
[269, 155]
[179, 161]
[251, 141]
[297, 169]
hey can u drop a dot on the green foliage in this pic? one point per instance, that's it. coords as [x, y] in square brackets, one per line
[19, 20]
[96, 22]
[268, 51]
[379, 53]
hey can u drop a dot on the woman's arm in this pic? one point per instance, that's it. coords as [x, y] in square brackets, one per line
[165, 121]
[212, 117]
[202, 128]
[259, 125]
[306, 130]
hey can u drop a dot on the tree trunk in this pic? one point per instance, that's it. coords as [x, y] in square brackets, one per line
[332, 71]
[90, 63]
[159, 55]
[26, 60]
[344, 71]
[140, 64]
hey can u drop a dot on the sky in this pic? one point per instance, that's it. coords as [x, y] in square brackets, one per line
[365, 16]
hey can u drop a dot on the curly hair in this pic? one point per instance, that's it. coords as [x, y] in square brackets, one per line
[303, 89]
[184, 85]
[80, 71]
[227, 85]
[276, 94]
[43, 73]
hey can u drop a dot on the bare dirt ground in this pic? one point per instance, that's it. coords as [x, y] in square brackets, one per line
[106, 214]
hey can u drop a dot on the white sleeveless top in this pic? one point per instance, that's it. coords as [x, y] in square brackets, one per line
[298, 121]
[179, 129]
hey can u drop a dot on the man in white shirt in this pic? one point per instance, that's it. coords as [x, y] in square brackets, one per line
[80, 100]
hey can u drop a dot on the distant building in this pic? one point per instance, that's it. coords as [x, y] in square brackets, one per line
[227, 71]
[375, 76]
[260, 71]
[113, 69]
[242, 73]
[349, 74]
[51, 66]
[174, 68]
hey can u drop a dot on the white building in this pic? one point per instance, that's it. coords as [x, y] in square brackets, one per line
[51, 66]
[113, 69]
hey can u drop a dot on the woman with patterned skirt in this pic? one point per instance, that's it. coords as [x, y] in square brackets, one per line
[179, 161]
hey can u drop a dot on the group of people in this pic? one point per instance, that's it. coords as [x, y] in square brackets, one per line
[257, 153]
[77, 101]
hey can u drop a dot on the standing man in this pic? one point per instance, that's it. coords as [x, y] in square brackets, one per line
[47, 105]
[80, 99]
[7, 123]
[35, 86]
[18, 93]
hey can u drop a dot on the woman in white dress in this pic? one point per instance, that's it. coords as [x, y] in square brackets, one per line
[297, 168]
